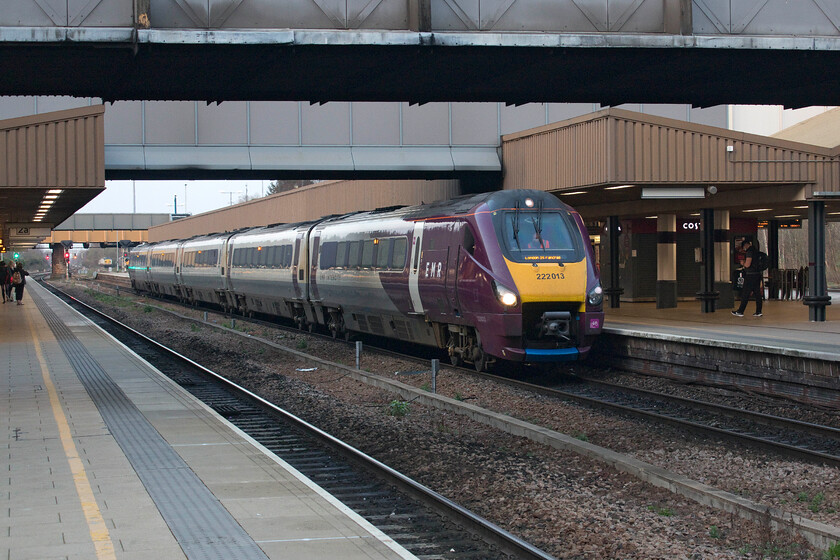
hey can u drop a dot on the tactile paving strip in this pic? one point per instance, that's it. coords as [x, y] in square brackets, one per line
[202, 526]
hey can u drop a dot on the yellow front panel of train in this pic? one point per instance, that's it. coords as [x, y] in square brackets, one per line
[548, 281]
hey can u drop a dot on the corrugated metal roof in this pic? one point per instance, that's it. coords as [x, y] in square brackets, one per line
[607, 157]
[62, 152]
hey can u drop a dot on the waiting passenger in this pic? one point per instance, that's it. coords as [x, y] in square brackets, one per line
[752, 280]
[19, 280]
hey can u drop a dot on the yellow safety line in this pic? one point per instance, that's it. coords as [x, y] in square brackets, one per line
[96, 524]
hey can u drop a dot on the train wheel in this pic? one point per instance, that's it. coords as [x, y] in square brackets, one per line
[480, 360]
[455, 360]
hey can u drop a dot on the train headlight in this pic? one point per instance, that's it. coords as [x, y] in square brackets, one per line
[596, 296]
[506, 296]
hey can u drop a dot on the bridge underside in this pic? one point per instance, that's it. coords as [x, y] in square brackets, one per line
[320, 66]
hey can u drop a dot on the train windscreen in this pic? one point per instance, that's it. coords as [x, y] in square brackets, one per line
[546, 235]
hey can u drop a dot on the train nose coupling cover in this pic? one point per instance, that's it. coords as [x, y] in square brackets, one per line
[555, 323]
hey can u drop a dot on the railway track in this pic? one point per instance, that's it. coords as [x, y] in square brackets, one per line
[787, 437]
[424, 522]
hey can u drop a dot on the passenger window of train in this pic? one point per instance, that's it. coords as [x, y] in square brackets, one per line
[341, 254]
[416, 252]
[327, 259]
[287, 260]
[383, 252]
[398, 254]
[367, 254]
[353, 254]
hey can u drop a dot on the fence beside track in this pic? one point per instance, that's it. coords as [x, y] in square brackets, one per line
[120, 279]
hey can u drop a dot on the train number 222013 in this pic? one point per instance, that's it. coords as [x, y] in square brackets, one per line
[551, 276]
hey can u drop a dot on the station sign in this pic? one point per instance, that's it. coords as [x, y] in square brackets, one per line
[28, 231]
[783, 224]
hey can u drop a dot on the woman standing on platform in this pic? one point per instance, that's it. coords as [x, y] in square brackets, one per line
[19, 280]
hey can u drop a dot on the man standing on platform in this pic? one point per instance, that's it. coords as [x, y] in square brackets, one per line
[752, 280]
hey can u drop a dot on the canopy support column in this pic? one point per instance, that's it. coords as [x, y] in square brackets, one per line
[817, 298]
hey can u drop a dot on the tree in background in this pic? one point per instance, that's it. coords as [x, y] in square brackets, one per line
[34, 260]
[275, 187]
[279, 186]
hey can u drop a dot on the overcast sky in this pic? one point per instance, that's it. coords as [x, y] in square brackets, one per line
[159, 197]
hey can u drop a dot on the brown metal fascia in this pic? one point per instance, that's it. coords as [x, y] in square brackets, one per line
[52, 117]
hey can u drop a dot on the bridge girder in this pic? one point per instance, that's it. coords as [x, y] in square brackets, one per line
[320, 66]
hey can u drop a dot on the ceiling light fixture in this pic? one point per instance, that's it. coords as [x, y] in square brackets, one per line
[573, 192]
[55, 191]
[673, 192]
[759, 210]
[617, 187]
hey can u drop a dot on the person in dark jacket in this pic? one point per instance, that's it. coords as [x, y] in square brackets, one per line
[5, 280]
[752, 280]
[19, 274]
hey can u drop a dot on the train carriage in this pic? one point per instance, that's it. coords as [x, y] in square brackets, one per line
[359, 275]
[138, 267]
[263, 271]
[200, 269]
[161, 271]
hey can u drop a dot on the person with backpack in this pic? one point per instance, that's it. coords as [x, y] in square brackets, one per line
[5, 280]
[19, 280]
[754, 260]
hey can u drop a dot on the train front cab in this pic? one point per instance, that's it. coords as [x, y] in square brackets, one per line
[548, 298]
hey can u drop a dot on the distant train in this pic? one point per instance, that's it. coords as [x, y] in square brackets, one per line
[504, 275]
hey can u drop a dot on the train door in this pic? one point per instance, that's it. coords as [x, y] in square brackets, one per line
[464, 239]
[434, 267]
[414, 267]
[299, 267]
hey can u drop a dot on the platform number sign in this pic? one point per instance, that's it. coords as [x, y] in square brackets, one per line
[22, 231]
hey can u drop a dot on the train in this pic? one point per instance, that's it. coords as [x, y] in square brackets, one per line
[499, 276]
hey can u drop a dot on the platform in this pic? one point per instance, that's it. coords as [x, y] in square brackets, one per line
[783, 328]
[107, 458]
[780, 354]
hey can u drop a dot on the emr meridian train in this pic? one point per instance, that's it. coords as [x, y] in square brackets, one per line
[504, 275]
